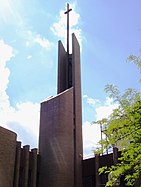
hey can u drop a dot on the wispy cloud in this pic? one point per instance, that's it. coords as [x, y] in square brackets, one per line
[32, 38]
[29, 57]
[11, 14]
[91, 101]
[43, 42]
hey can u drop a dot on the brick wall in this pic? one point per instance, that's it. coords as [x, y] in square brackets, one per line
[7, 157]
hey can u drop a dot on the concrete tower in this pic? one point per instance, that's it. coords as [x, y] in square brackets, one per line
[60, 137]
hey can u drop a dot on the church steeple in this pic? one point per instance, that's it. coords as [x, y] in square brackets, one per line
[60, 139]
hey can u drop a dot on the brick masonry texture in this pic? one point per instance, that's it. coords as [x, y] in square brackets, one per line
[7, 157]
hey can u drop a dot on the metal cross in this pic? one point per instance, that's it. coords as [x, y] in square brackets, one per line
[67, 12]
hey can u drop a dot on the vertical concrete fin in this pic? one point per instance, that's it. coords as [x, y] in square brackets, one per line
[62, 68]
[76, 83]
[33, 167]
[17, 164]
[60, 137]
[26, 165]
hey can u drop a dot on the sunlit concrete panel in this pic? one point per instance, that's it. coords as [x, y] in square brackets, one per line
[56, 141]
[76, 79]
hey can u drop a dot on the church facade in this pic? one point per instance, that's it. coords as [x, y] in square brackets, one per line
[60, 137]
[58, 159]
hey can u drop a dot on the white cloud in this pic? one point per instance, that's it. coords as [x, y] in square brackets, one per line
[25, 115]
[6, 53]
[105, 110]
[43, 42]
[92, 102]
[91, 132]
[28, 114]
[91, 136]
[10, 13]
[32, 38]
[29, 57]
[59, 27]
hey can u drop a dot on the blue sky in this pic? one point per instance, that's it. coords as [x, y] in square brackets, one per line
[108, 32]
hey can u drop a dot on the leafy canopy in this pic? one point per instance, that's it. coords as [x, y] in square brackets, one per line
[122, 129]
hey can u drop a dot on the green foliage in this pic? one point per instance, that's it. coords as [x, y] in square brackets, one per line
[136, 60]
[122, 129]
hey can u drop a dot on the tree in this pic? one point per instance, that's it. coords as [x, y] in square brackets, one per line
[136, 60]
[122, 129]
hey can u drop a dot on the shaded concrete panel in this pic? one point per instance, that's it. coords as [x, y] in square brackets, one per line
[38, 170]
[32, 173]
[91, 175]
[7, 157]
[33, 168]
[25, 156]
[17, 164]
[97, 176]
[77, 110]
[56, 141]
[62, 71]
[25, 167]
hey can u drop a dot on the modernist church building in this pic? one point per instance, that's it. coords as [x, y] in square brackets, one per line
[58, 161]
